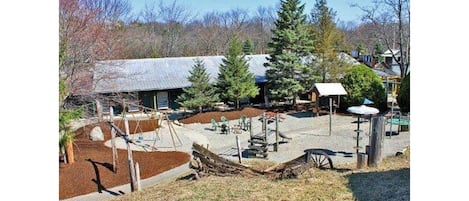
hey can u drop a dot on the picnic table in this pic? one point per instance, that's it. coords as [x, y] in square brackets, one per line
[402, 121]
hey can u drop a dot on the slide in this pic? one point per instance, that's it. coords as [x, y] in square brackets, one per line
[284, 136]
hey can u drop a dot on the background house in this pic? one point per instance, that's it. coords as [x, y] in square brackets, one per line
[159, 81]
[155, 83]
[389, 61]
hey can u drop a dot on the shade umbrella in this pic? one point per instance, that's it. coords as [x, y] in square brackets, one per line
[361, 110]
[367, 102]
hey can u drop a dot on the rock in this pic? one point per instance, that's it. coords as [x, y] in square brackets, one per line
[97, 134]
[178, 123]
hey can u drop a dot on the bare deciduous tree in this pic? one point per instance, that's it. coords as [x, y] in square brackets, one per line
[394, 14]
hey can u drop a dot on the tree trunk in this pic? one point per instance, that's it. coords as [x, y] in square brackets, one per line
[69, 152]
[402, 61]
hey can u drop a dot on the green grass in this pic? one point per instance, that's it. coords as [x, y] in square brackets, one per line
[389, 181]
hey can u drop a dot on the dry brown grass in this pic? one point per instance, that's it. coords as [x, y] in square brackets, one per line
[390, 181]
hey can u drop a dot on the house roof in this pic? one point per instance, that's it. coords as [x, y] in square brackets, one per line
[162, 73]
[170, 72]
[384, 72]
[387, 53]
[327, 89]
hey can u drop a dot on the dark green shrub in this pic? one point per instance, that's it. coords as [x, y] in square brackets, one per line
[403, 98]
[361, 82]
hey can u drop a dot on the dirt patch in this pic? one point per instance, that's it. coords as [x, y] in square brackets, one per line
[92, 170]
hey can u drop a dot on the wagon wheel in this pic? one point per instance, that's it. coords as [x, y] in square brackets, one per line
[320, 159]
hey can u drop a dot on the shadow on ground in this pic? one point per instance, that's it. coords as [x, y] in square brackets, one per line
[388, 185]
[303, 114]
[332, 153]
[97, 180]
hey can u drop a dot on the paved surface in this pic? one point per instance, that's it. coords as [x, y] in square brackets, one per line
[307, 132]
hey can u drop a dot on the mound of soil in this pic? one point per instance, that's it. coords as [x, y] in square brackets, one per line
[92, 169]
[230, 115]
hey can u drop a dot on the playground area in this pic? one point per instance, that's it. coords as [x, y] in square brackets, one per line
[169, 149]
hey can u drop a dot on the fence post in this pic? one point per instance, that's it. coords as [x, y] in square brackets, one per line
[137, 173]
[361, 160]
[133, 180]
[276, 133]
[113, 141]
[238, 144]
[378, 130]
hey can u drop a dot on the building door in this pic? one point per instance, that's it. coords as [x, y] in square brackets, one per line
[162, 100]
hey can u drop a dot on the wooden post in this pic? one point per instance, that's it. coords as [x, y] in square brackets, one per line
[392, 117]
[265, 127]
[316, 105]
[238, 144]
[113, 142]
[170, 131]
[99, 110]
[361, 160]
[130, 159]
[276, 133]
[250, 129]
[338, 102]
[330, 116]
[64, 155]
[264, 122]
[374, 157]
[155, 105]
[137, 173]
[123, 107]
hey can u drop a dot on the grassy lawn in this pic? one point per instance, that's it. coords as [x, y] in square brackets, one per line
[389, 181]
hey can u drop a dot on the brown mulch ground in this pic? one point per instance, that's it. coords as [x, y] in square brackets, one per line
[230, 115]
[92, 169]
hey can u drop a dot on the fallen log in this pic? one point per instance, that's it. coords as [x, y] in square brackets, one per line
[209, 163]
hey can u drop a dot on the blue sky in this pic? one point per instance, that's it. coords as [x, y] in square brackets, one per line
[342, 7]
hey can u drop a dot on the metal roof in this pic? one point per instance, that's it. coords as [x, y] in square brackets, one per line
[162, 73]
[168, 73]
[327, 89]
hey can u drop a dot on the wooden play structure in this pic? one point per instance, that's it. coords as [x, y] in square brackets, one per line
[159, 119]
[172, 131]
[258, 146]
[326, 96]
[206, 162]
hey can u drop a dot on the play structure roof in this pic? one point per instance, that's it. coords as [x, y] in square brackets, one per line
[328, 89]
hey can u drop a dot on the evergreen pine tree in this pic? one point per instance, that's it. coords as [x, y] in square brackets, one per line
[201, 93]
[235, 82]
[248, 47]
[329, 42]
[287, 76]
[378, 51]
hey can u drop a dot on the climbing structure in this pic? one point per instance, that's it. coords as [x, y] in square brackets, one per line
[258, 146]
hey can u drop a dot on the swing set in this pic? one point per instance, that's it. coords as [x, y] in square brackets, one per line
[155, 117]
